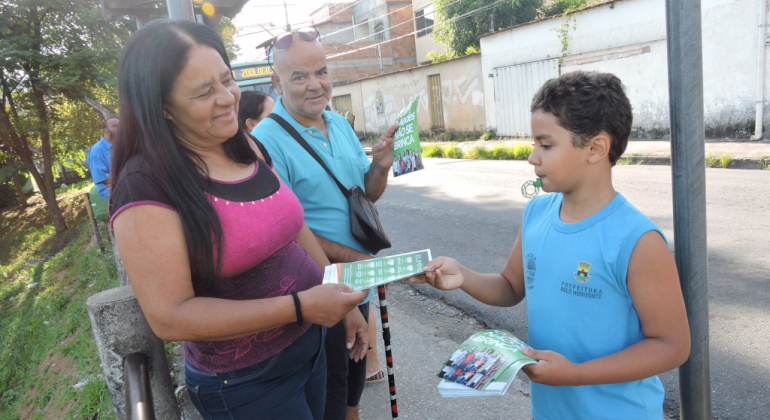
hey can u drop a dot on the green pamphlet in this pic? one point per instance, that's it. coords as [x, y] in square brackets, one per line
[483, 365]
[362, 275]
[407, 154]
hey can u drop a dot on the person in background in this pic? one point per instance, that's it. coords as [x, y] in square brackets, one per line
[351, 119]
[253, 107]
[303, 80]
[214, 243]
[99, 156]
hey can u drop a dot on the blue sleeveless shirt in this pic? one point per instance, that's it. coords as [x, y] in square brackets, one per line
[578, 305]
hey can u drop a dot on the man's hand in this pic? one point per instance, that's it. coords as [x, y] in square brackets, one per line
[551, 369]
[442, 273]
[382, 152]
[356, 334]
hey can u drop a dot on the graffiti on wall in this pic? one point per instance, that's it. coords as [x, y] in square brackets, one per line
[460, 97]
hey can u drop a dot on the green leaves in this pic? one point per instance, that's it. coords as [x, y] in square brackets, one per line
[464, 32]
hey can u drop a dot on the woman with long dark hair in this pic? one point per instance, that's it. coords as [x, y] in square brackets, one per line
[254, 107]
[214, 244]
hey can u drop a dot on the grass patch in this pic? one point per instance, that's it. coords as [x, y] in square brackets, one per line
[432, 150]
[765, 162]
[453, 152]
[478, 152]
[623, 162]
[520, 151]
[488, 135]
[719, 161]
[47, 342]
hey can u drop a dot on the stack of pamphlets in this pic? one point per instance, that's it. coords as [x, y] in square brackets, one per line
[407, 154]
[484, 364]
[362, 275]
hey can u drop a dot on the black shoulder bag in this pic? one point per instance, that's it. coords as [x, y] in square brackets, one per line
[365, 224]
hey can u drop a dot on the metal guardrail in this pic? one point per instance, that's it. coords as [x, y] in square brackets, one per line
[138, 392]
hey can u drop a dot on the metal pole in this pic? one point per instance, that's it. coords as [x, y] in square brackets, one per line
[685, 84]
[90, 212]
[142, 20]
[136, 371]
[180, 9]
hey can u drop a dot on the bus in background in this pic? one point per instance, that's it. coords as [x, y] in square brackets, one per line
[254, 76]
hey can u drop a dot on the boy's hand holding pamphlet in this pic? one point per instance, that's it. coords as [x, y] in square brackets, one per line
[365, 274]
[407, 154]
[484, 364]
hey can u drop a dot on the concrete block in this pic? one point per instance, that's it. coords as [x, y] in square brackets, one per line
[120, 328]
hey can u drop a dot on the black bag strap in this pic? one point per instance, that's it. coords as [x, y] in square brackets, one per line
[292, 132]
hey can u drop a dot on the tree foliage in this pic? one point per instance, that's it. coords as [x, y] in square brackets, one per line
[54, 53]
[227, 31]
[464, 32]
[563, 6]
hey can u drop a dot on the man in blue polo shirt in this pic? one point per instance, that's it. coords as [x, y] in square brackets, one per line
[303, 80]
[99, 156]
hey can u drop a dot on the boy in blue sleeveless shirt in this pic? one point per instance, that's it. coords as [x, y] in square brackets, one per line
[604, 306]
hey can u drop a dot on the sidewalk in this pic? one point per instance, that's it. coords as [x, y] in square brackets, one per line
[424, 332]
[745, 154]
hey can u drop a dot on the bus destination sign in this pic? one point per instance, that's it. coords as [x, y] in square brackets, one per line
[252, 72]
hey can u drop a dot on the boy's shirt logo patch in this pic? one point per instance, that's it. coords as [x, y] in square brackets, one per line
[582, 273]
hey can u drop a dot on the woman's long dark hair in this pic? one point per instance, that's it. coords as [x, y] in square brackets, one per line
[149, 65]
[252, 105]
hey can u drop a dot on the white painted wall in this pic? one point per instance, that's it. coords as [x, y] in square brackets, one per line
[462, 95]
[628, 38]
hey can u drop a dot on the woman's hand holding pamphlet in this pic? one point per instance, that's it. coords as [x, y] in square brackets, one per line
[365, 274]
[483, 365]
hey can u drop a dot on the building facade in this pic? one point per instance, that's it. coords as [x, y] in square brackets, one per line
[451, 97]
[366, 38]
[628, 38]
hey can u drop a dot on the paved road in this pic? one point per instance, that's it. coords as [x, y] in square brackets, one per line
[471, 210]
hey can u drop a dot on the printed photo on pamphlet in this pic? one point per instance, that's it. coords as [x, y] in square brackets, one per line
[407, 155]
[485, 364]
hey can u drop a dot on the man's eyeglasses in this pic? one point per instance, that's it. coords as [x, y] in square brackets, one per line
[285, 39]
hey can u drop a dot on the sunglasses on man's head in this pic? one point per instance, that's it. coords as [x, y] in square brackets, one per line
[285, 39]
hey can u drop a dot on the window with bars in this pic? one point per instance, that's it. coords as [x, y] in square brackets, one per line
[424, 19]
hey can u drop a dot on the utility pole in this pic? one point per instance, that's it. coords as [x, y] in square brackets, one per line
[492, 23]
[685, 85]
[286, 12]
[180, 9]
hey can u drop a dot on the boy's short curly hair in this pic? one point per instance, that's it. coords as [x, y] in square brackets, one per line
[586, 103]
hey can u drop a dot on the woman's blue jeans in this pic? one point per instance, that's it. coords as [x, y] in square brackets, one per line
[289, 385]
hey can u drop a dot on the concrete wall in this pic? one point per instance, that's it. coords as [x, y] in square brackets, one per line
[628, 38]
[426, 43]
[462, 95]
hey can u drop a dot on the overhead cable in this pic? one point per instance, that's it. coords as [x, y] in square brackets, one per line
[399, 24]
[489, 6]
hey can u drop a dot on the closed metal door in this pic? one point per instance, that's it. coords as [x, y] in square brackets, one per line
[514, 88]
[342, 103]
[436, 101]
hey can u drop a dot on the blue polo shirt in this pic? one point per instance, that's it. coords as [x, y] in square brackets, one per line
[99, 162]
[326, 210]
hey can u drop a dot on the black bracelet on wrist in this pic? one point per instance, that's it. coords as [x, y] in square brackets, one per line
[298, 308]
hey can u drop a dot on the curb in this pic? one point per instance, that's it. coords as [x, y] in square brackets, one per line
[739, 163]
